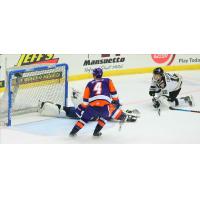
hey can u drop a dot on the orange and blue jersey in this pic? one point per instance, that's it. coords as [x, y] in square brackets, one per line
[99, 92]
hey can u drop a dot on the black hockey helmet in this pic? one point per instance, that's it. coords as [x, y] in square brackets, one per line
[158, 70]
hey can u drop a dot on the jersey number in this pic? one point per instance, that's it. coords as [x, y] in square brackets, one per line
[98, 88]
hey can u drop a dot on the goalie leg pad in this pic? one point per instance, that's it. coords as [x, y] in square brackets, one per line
[51, 110]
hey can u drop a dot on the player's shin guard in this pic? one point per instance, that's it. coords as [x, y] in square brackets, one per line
[118, 114]
[100, 125]
[183, 101]
[187, 100]
[50, 109]
[174, 103]
[122, 117]
[97, 130]
[79, 125]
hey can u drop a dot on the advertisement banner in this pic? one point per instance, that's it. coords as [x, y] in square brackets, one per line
[81, 65]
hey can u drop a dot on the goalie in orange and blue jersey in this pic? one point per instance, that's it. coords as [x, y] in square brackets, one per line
[98, 99]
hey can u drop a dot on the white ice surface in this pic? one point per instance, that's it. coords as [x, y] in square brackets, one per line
[170, 127]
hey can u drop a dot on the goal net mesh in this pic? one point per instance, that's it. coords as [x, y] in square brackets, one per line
[33, 86]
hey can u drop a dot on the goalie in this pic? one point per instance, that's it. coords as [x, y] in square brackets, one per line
[74, 112]
[167, 86]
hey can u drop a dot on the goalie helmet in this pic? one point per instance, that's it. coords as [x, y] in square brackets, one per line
[158, 70]
[98, 72]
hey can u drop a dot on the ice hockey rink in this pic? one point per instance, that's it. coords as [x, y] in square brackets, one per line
[169, 127]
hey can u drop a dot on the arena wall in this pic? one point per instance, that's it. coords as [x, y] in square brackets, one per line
[81, 65]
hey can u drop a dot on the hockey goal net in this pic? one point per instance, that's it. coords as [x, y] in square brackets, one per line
[27, 86]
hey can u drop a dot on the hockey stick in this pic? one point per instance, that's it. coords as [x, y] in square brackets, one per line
[120, 125]
[185, 110]
[158, 109]
[120, 122]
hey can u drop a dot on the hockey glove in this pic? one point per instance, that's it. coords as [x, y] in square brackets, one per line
[75, 93]
[116, 103]
[152, 93]
[156, 103]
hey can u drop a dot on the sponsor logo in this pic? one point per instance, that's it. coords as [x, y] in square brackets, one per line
[38, 78]
[163, 58]
[106, 61]
[28, 59]
[189, 60]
